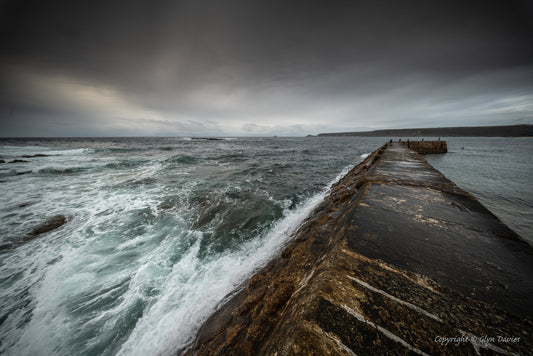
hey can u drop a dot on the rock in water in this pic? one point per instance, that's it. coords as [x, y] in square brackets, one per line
[36, 155]
[50, 224]
[165, 206]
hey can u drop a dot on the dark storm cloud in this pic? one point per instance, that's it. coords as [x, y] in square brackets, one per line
[246, 67]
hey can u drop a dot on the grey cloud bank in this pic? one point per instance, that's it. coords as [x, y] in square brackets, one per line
[262, 68]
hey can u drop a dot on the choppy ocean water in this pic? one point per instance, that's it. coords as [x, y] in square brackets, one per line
[160, 230]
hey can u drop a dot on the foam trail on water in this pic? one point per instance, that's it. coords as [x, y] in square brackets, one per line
[159, 232]
[195, 287]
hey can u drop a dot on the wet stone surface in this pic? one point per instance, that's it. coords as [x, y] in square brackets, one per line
[395, 261]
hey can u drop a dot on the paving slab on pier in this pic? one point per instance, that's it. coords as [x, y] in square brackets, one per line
[396, 260]
[415, 219]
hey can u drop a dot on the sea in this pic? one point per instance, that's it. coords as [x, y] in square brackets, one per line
[161, 231]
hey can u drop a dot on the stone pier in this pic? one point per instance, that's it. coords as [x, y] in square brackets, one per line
[397, 260]
[427, 147]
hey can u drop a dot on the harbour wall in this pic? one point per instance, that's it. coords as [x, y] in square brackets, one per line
[396, 260]
[427, 147]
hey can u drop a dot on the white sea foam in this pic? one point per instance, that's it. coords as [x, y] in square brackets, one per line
[71, 152]
[125, 276]
[30, 150]
[195, 288]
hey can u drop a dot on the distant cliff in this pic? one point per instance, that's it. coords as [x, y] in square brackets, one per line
[479, 131]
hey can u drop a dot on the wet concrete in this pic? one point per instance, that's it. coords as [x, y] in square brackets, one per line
[394, 261]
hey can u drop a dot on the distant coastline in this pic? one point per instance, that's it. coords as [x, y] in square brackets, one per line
[477, 131]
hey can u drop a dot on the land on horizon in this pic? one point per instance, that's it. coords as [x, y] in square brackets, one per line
[525, 130]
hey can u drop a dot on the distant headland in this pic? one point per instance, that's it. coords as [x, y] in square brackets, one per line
[477, 131]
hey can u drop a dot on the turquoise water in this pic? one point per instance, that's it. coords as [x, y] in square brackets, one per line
[160, 230]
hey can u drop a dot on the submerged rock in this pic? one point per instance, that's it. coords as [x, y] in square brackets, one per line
[165, 206]
[2, 161]
[50, 224]
[36, 155]
[18, 161]
[6, 246]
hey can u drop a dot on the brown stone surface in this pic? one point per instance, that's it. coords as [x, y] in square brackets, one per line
[396, 259]
[427, 147]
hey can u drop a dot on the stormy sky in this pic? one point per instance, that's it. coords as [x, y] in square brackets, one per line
[261, 68]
